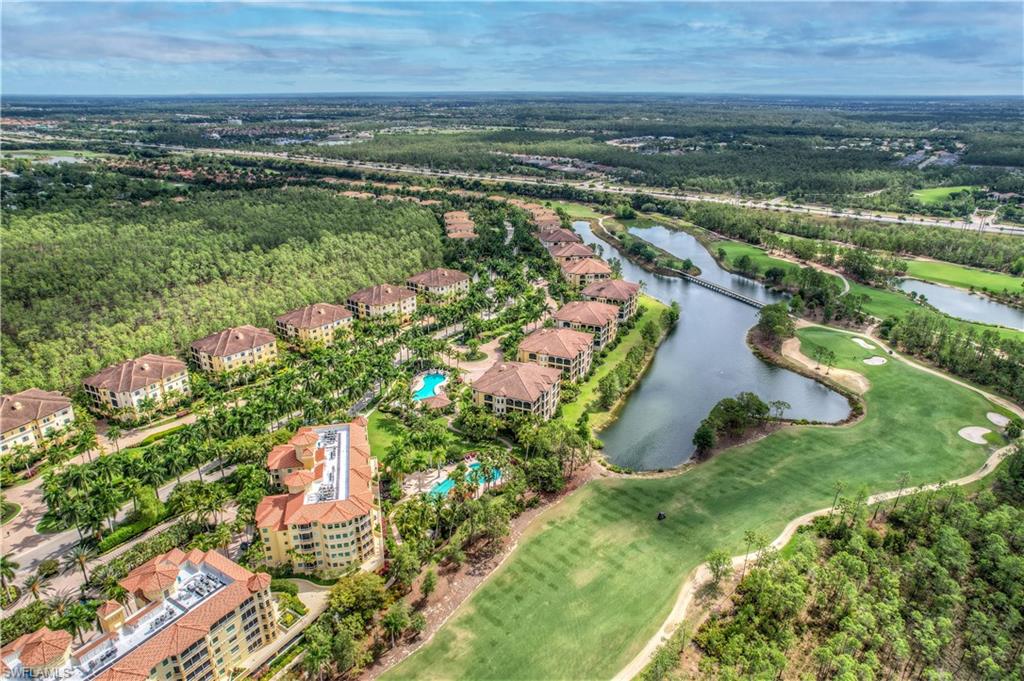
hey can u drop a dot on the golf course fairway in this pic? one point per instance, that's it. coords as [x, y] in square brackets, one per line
[595, 576]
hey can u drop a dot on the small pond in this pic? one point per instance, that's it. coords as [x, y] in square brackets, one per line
[965, 305]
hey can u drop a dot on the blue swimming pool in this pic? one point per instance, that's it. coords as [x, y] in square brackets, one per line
[429, 387]
[445, 486]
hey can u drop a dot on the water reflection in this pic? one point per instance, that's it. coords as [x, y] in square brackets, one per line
[960, 303]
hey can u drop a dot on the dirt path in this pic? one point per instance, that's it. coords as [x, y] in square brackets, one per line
[700, 574]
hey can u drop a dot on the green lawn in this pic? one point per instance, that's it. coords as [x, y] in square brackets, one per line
[381, 429]
[577, 210]
[936, 195]
[596, 575]
[964, 277]
[735, 250]
[650, 309]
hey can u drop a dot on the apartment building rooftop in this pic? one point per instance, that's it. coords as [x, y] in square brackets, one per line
[137, 373]
[612, 289]
[29, 405]
[570, 249]
[517, 380]
[314, 316]
[208, 587]
[567, 343]
[440, 276]
[381, 294]
[235, 339]
[338, 487]
[558, 235]
[587, 313]
[586, 266]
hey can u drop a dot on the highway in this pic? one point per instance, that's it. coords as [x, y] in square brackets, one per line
[976, 223]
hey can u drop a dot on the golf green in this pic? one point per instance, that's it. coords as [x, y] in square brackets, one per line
[597, 574]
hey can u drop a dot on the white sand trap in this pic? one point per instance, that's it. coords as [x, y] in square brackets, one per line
[875, 361]
[863, 343]
[998, 419]
[975, 434]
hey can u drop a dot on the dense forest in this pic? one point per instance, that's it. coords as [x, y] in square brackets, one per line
[930, 586]
[89, 283]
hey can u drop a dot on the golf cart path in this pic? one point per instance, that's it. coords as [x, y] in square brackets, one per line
[701, 574]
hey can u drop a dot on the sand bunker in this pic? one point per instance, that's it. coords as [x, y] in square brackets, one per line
[998, 419]
[863, 343]
[875, 361]
[975, 434]
[858, 383]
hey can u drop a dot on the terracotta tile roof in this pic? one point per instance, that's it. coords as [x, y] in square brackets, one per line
[281, 457]
[517, 380]
[278, 511]
[235, 339]
[461, 235]
[612, 289]
[154, 575]
[570, 249]
[440, 276]
[439, 401]
[381, 294]
[567, 343]
[301, 477]
[587, 313]
[29, 405]
[314, 316]
[559, 235]
[586, 266]
[136, 373]
[108, 607]
[305, 436]
[41, 647]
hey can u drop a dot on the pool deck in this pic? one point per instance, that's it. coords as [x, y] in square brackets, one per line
[419, 380]
[422, 482]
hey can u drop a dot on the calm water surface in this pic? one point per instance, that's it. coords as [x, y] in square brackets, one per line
[960, 303]
[704, 359]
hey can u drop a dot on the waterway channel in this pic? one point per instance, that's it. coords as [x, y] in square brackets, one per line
[703, 360]
[965, 305]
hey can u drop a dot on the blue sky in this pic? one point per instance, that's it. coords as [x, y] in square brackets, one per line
[869, 48]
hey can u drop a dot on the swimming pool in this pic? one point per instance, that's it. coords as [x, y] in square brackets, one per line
[442, 488]
[431, 381]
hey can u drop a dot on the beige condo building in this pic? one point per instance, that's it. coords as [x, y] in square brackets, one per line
[126, 385]
[519, 386]
[317, 323]
[622, 294]
[598, 319]
[29, 417]
[235, 348]
[383, 300]
[440, 282]
[569, 351]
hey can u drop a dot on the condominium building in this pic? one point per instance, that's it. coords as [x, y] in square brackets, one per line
[517, 386]
[622, 294]
[235, 348]
[580, 273]
[440, 282]
[558, 235]
[317, 323]
[126, 386]
[329, 518]
[567, 350]
[29, 417]
[570, 252]
[458, 225]
[598, 319]
[383, 300]
[193, 616]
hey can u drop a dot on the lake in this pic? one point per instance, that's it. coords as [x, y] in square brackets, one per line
[704, 359]
[965, 305]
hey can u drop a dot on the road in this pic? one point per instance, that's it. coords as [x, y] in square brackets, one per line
[979, 224]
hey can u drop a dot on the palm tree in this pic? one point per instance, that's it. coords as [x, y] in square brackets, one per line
[78, 558]
[148, 473]
[78, 617]
[36, 585]
[118, 594]
[60, 603]
[7, 570]
[114, 435]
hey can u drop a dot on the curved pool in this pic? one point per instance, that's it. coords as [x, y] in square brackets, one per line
[431, 382]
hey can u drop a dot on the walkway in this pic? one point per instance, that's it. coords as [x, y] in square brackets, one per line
[700, 574]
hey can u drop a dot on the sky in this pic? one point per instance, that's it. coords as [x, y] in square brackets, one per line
[801, 48]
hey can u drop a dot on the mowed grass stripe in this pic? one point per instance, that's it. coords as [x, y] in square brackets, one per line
[617, 569]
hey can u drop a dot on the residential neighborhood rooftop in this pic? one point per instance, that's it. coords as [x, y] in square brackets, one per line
[522, 381]
[315, 315]
[567, 343]
[587, 312]
[612, 289]
[381, 294]
[235, 339]
[137, 373]
[586, 266]
[29, 405]
[440, 276]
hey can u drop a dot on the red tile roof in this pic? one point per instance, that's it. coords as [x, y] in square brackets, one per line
[586, 266]
[611, 289]
[381, 294]
[517, 380]
[136, 373]
[587, 313]
[438, 277]
[559, 235]
[570, 249]
[567, 343]
[235, 339]
[41, 647]
[29, 405]
[314, 316]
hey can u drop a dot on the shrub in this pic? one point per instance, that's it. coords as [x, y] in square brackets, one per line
[284, 586]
